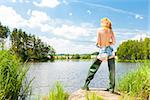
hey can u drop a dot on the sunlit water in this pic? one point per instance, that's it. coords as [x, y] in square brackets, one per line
[72, 74]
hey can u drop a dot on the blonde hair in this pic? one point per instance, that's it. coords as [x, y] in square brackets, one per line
[106, 20]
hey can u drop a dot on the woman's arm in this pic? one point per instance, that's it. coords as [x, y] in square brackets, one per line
[98, 38]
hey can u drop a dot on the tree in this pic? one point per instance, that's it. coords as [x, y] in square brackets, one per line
[134, 50]
[76, 56]
[30, 47]
[4, 32]
[27, 46]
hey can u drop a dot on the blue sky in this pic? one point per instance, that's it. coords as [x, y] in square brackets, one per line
[70, 25]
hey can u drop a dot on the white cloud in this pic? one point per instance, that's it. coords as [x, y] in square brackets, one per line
[70, 14]
[65, 2]
[138, 16]
[29, 12]
[64, 29]
[46, 28]
[140, 36]
[128, 31]
[88, 25]
[27, 1]
[47, 3]
[38, 19]
[66, 46]
[14, 1]
[21, 1]
[41, 21]
[89, 12]
[71, 32]
[10, 17]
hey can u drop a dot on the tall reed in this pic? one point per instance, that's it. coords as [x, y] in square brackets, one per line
[137, 83]
[58, 93]
[93, 96]
[12, 77]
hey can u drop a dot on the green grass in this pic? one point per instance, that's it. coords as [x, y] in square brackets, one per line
[93, 96]
[12, 77]
[137, 83]
[58, 93]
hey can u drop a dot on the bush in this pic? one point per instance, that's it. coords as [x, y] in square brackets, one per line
[86, 56]
[76, 56]
[12, 77]
[137, 83]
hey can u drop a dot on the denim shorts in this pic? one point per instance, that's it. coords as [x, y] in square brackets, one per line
[106, 50]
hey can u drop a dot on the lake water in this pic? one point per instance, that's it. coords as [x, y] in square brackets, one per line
[71, 74]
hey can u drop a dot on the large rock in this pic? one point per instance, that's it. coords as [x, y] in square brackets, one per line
[105, 95]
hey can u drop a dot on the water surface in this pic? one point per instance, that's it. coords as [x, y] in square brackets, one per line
[72, 74]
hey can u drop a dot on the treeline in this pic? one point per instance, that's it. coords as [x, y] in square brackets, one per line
[27, 46]
[134, 50]
[76, 56]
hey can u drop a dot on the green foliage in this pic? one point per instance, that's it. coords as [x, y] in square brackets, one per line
[4, 32]
[93, 96]
[95, 53]
[73, 56]
[27, 46]
[137, 83]
[58, 93]
[12, 77]
[85, 56]
[30, 47]
[134, 50]
[76, 56]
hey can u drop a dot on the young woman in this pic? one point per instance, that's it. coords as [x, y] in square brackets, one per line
[105, 40]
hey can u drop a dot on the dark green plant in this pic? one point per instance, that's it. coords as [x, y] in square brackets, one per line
[85, 56]
[76, 56]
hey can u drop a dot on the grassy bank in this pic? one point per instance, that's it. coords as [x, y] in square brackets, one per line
[133, 61]
[136, 84]
[74, 56]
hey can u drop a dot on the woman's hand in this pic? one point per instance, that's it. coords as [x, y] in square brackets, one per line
[98, 45]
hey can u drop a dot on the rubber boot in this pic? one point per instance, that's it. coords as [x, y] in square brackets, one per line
[111, 67]
[93, 69]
